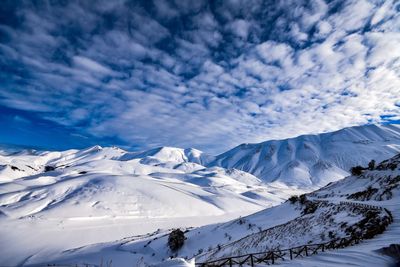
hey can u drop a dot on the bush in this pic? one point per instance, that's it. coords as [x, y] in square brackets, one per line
[310, 207]
[364, 195]
[176, 239]
[392, 166]
[49, 168]
[293, 199]
[371, 165]
[241, 221]
[303, 199]
[14, 168]
[356, 171]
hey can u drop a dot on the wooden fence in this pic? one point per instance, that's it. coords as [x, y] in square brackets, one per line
[270, 257]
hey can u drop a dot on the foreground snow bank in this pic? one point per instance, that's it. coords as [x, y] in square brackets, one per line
[177, 262]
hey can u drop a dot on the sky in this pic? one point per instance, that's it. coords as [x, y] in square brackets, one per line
[203, 74]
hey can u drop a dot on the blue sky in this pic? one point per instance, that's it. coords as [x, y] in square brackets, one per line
[204, 74]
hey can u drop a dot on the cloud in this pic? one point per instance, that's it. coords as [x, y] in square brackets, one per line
[192, 73]
[91, 65]
[240, 28]
[165, 10]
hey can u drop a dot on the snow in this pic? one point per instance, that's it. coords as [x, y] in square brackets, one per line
[102, 204]
[118, 194]
[177, 262]
[312, 161]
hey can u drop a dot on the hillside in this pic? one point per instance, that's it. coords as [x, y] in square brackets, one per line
[116, 193]
[326, 215]
[313, 160]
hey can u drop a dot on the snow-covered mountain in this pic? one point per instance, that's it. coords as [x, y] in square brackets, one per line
[108, 193]
[322, 216]
[170, 154]
[313, 160]
[101, 194]
[96, 182]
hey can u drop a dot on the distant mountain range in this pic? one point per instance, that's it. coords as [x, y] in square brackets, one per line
[313, 160]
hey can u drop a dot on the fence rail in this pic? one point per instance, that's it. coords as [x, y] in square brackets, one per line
[271, 256]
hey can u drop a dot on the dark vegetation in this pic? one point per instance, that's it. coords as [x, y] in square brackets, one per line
[49, 168]
[374, 221]
[390, 164]
[15, 168]
[364, 195]
[383, 185]
[176, 239]
[293, 199]
[308, 206]
[357, 170]
[382, 190]
[371, 165]
[371, 225]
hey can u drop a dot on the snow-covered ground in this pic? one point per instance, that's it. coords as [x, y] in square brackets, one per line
[282, 226]
[366, 253]
[55, 201]
[101, 204]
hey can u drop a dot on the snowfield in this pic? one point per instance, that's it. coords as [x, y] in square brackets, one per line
[61, 200]
[99, 205]
[283, 226]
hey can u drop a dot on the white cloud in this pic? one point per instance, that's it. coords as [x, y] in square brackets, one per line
[222, 77]
[240, 28]
[91, 65]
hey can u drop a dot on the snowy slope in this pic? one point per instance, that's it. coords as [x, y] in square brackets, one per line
[98, 195]
[108, 193]
[98, 182]
[313, 160]
[281, 226]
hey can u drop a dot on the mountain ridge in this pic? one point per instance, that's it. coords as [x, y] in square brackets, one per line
[313, 160]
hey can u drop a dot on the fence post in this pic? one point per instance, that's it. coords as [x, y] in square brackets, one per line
[230, 262]
[251, 260]
[272, 258]
[305, 248]
[291, 254]
[323, 247]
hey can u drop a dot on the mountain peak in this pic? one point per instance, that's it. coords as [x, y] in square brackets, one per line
[298, 161]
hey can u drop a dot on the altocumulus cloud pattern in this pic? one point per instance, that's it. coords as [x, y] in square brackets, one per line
[208, 74]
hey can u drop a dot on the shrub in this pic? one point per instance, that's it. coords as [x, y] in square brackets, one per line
[371, 165]
[392, 166]
[176, 239]
[293, 199]
[331, 234]
[49, 168]
[364, 195]
[310, 207]
[14, 168]
[303, 199]
[356, 171]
